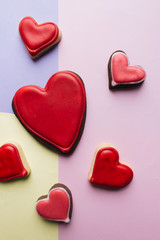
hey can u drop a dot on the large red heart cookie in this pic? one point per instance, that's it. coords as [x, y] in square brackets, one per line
[121, 74]
[12, 162]
[38, 38]
[57, 205]
[107, 171]
[56, 113]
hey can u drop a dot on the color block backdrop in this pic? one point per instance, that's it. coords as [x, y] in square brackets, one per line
[18, 218]
[129, 120]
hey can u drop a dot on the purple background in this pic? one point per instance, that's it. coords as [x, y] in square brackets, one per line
[17, 69]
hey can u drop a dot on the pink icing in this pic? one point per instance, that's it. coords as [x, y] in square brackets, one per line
[124, 74]
[56, 206]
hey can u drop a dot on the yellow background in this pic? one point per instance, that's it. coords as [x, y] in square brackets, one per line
[18, 217]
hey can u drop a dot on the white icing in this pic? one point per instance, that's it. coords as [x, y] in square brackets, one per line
[113, 83]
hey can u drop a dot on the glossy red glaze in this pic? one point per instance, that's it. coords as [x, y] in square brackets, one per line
[11, 165]
[108, 172]
[54, 113]
[55, 206]
[37, 37]
[124, 74]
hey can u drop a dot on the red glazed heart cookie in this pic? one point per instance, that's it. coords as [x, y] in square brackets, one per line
[12, 162]
[56, 113]
[57, 205]
[38, 38]
[121, 74]
[107, 171]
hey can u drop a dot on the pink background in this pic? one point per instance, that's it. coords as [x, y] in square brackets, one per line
[129, 120]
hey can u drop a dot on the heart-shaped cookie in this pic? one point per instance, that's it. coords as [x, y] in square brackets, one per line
[57, 205]
[12, 162]
[107, 171]
[121, 74]
[55, 114]
[38, 38]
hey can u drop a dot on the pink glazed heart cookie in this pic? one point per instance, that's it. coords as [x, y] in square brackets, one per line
[107, 171]
[55, 114]
[13, 163]
[38, 38]
[57, 205]
[121, 74]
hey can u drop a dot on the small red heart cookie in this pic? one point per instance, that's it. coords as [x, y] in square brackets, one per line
[38, 38]
[55, 114]
[106, 171]
[122, 75]
[12, 162]
[57, 205]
